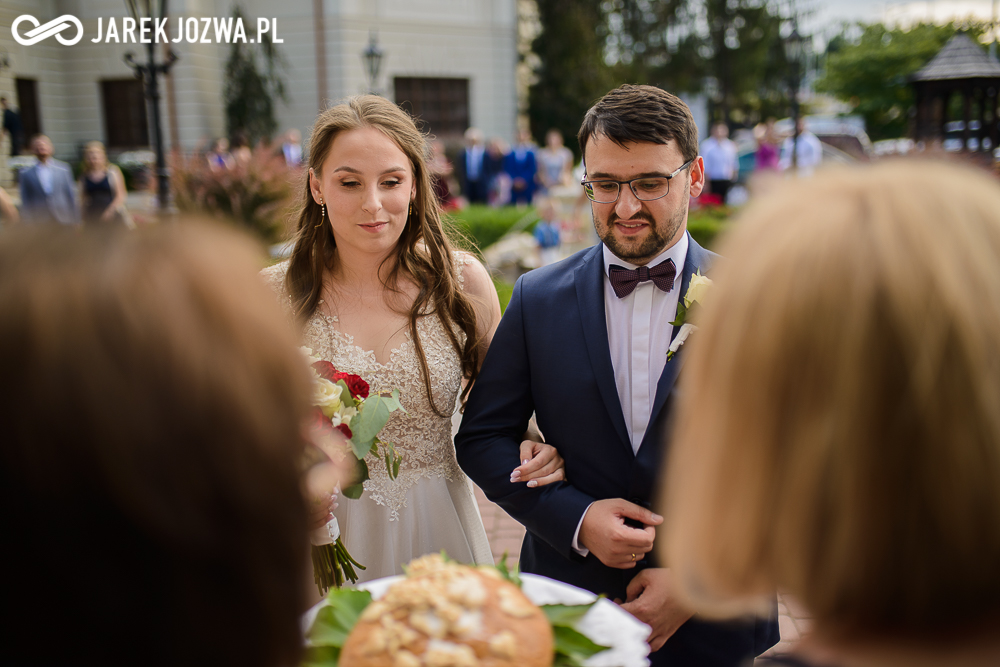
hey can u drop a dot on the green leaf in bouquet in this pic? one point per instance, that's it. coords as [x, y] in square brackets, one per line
[564, 614]
[371, 418]
[321, 656]
[355, 490]
[345, 395]
[336, 620]
[573, 647]
[392, 401]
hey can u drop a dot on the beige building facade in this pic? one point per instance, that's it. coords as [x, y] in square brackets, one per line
[452, 62]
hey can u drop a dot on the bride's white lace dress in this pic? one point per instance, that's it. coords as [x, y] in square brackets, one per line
[430, 506]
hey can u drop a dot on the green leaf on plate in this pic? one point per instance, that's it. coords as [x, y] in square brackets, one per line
[573, 647]
[321, 656]
[336, 620]
[509, 574]
[566, 615]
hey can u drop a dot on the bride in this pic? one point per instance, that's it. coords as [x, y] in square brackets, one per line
[379, 292]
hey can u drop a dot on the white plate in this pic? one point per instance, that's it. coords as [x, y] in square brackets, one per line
[606, 623]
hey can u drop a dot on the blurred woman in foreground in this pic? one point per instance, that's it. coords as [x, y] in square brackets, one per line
[150, 472]
[840, 439]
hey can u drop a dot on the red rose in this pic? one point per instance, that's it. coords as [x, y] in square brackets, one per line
[318, 421]
[326, 370]
[346, 430]
[359, 388]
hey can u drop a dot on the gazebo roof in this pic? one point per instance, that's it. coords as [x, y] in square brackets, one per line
[960, 58]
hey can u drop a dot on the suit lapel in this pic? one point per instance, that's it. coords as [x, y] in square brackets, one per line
[589, 280]
[698, 259]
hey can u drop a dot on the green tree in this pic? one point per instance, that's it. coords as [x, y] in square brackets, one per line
[572, 74]
[254, 82]
[677, 44]
[869, 67]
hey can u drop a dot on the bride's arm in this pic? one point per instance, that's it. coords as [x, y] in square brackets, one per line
[541, 463]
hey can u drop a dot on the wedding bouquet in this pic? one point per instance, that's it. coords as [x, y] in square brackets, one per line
[343, 403]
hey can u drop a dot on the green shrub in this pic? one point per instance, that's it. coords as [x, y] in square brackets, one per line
[504, 290]
[481, 226]
[706, 223]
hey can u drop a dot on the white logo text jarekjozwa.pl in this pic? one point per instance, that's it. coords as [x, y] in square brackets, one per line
[46, 30]
[148, 30]
[191, 30]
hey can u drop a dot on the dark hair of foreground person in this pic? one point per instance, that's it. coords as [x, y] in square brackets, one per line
[150, 468]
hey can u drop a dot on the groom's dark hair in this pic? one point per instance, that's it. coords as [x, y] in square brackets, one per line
[641, 113]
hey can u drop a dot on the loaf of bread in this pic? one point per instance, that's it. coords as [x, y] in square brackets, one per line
[448, 615]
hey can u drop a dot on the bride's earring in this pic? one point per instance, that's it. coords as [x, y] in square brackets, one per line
[322, 220]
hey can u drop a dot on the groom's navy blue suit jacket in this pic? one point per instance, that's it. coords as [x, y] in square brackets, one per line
[550, 356]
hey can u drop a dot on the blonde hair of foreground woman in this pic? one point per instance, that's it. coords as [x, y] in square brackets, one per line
[840, 433]
[152, 435]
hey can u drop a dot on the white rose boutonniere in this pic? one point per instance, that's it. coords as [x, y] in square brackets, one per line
[697, 290]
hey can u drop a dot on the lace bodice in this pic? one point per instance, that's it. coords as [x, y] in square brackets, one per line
[420, 436]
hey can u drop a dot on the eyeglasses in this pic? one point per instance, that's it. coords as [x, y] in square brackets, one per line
[646, 188]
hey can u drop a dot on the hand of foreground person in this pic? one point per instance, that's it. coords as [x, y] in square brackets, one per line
[606, 535]
[540, 464]
[651, 600]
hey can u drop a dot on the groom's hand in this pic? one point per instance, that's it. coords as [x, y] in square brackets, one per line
[606, 535]
[651, 600]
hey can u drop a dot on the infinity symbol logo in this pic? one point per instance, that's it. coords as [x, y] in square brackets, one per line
[44, 31]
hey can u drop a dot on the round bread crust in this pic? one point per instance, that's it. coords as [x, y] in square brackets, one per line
[534, 641]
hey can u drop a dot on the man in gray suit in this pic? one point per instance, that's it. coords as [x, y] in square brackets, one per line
[48, 191]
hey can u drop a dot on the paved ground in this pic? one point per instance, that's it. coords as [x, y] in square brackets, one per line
[505, 535]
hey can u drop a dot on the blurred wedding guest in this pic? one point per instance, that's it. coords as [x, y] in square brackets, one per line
[522, 168]
[152, 441]
[102, 189]
[13, 127]
[497, 180]
[841, 438]
[547, 232]
[768, 147]
[239, 148]
[555, 161]
[219, 157]
[291, 148]
[722, 162]
[469, 165]
[8, 212]
[441, 171]
[48, 190]
[807, 149]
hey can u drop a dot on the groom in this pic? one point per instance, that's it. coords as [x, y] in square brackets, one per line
[583, 345]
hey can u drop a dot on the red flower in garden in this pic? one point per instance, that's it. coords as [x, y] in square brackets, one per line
[346, 430]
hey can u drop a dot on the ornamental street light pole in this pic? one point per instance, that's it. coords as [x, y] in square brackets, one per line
[152, 11]
[372, 58]
[795, 55]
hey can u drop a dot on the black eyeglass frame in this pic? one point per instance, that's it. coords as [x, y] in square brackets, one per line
[630, 185]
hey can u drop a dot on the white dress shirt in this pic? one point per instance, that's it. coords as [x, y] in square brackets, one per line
[44, 172]
[722, 160]
[639, 333]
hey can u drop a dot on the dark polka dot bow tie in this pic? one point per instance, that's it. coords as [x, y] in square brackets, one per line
[624, 281]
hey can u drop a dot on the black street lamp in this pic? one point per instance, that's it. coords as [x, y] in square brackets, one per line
[152, 11]
[372, 58]
[795, 52]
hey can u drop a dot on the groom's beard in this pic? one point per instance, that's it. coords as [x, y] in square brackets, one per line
[640, 252]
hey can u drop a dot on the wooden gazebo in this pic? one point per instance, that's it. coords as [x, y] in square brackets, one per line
[961, 67]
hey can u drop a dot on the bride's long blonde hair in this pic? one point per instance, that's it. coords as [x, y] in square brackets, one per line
[423, 252]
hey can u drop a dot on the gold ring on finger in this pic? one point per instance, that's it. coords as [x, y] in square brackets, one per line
[633, 558]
